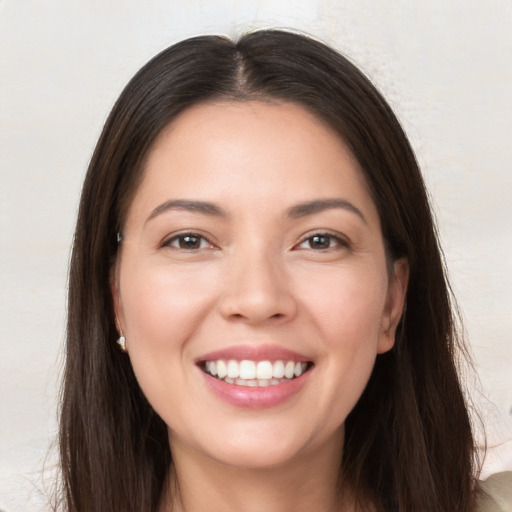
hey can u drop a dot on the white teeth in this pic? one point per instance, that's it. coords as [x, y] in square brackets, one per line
[212, 367]
[245, 382]
[278, 370]
[288, 370]
[264, 370]
[233, 370]
[247, 370]
[253, 383]
[251, 373]
[221, 369]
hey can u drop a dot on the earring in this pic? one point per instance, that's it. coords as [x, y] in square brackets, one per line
[121, 341]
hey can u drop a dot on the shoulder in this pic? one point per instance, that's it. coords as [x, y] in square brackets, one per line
[495, 493]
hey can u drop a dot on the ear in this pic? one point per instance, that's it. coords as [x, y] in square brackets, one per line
[116, 297]
[395, 302]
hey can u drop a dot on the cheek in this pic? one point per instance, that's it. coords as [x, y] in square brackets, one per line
[162, 309]
[346, 308]
[347, 304]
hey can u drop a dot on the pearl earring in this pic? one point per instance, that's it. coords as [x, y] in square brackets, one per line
[121, 341]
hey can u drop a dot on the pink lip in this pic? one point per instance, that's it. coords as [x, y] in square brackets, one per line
[254, 353]
[257, 397]
[254, 397]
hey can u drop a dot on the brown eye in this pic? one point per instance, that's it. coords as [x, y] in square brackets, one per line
[322, 242]
[319, 242]
[188, 242]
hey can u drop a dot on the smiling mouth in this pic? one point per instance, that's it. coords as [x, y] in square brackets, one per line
[255, 373]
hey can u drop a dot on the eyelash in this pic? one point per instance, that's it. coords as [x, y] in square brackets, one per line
[203, 241]
[335, 240]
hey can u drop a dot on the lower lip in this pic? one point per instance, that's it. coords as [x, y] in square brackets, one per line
[256, 397]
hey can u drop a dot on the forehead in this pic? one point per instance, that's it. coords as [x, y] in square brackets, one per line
[227, 150]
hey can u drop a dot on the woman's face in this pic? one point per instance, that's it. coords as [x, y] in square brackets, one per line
[252, 248]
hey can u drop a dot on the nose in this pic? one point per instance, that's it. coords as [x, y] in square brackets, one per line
[257, 291]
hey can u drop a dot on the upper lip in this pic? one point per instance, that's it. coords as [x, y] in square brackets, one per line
[254, 353]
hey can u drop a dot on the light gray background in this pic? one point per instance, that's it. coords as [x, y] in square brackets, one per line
[445, 66]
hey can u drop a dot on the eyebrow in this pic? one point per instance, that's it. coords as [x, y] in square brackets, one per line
[203, 207]
[297, 211]
[320, 205]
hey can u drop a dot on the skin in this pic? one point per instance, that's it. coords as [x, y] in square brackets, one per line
[257, 277]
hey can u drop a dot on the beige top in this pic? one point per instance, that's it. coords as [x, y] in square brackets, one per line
[497, 493]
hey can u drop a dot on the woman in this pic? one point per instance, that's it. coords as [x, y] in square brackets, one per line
[255, 233]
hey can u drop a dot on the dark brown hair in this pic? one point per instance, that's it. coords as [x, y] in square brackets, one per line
[408, 445]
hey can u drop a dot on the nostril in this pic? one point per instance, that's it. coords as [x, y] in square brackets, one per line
[257, 305]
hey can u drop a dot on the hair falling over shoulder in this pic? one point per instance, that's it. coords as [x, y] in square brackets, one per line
[408, 444]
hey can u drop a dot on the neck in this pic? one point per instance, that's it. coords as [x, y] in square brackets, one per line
[309, 482]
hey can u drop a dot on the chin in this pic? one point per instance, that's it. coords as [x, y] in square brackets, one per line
[256, 456]
[268, 444]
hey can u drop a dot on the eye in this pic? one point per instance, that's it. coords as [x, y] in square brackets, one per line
[322, 242]
[188, 242]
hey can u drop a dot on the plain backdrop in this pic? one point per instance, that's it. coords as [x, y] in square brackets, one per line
[445, 67]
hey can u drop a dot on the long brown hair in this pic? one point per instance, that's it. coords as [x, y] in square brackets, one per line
[409, 444]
